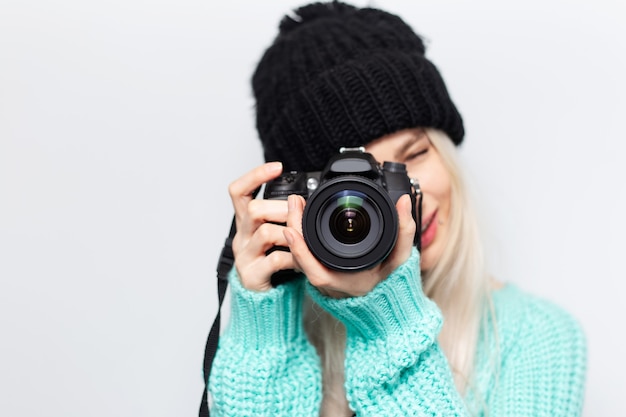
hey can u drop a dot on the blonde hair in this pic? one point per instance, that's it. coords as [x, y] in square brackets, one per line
[458, 284]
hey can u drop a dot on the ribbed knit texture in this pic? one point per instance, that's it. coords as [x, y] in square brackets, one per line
[264, 365]
[543, 360]
[337, 75]
[394, 366]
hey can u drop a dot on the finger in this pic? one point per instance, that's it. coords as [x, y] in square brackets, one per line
[242, 189]
[262, 211]
[294, 215]
[266, 237]
[303, 258]
[255, 265]
[257, 275]
[406, 231]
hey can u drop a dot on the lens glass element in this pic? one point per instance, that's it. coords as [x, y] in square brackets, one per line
[349, 222]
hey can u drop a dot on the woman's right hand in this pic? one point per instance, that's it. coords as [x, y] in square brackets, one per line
[259, 228]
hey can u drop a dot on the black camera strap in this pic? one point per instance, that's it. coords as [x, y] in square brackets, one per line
[224, 266]
[417, 241]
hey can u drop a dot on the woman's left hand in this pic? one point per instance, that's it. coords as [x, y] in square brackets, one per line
[347, 284]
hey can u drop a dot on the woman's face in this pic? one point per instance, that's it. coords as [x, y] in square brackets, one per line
[413, 148]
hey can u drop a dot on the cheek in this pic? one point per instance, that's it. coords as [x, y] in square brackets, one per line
[434, 181]
[442, 193]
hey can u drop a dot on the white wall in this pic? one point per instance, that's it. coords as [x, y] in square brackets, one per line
[122, 122]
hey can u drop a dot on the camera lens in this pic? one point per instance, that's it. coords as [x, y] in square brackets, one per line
[349, 222]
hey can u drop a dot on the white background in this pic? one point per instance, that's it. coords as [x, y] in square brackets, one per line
[122, 122]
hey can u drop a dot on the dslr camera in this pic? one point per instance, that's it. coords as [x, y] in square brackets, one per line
[350, 222]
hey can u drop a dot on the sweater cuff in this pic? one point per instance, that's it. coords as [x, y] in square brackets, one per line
[271, 318]
[395, 306]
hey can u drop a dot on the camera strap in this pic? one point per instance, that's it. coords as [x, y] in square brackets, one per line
[417, 241]
[224, 266]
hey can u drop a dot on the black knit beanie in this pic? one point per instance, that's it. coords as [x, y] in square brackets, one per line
[337, 75]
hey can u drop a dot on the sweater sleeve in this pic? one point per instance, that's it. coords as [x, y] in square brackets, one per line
[264, 365]
[543, 361]
[394, 365]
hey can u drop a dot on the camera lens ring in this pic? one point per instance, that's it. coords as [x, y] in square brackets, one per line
[384, 227]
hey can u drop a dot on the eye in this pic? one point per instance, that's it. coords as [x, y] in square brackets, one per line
[417, 153]
[417, 149]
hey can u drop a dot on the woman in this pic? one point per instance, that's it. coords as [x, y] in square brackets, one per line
[424, 333]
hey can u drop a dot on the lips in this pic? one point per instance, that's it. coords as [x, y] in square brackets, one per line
[429, 230]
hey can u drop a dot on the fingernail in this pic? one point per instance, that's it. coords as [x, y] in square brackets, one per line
[273, 167]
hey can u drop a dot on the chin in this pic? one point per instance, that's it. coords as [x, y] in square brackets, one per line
[425, 263]
[429, 258]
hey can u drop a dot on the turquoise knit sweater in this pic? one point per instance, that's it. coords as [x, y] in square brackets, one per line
[533, 365]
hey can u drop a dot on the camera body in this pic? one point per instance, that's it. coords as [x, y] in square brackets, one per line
[350, 222]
